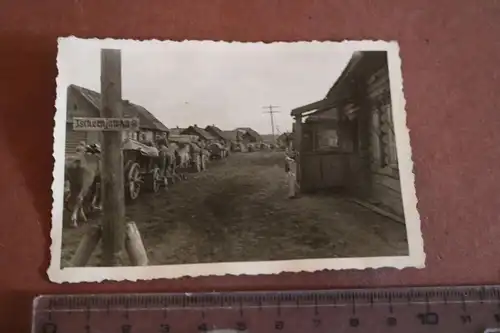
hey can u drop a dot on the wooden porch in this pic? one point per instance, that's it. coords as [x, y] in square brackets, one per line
[345, 141]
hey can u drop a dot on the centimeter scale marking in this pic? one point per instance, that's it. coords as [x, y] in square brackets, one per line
[427, 309]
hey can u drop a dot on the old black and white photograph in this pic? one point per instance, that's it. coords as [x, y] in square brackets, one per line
[200, 158]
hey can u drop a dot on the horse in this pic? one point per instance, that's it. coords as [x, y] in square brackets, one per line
[177, 155]
[168, 161]
[82, 172]
[183, 157]
[205, 155]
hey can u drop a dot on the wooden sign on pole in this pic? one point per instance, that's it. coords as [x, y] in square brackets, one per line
[106, 124]
[113, 197]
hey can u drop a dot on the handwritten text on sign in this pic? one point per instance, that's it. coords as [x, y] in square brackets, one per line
[105, 124]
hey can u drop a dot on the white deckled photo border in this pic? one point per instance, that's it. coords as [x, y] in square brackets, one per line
[416, 257]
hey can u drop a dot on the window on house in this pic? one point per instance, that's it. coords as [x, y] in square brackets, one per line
[327, 139]
[132, 135]
[324, 134]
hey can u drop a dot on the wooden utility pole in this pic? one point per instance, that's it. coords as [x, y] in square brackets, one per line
[113, 197]
[116, 236]
[271, 112]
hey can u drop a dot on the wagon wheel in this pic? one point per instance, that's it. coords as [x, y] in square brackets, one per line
[154, 180]
[133, 181]
[171, 176]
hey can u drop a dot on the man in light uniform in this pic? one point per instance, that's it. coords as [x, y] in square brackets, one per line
[291, 172]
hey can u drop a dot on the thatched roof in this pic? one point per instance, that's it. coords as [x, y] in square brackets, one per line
[250, 132]
[176, 130]
[199, 131]
[231, 135]
[218, 133]
[362, 65]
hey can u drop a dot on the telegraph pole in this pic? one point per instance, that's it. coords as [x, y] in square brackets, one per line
[271, 112]
[113, 197]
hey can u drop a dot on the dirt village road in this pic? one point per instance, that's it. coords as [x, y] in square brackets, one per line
[238, 210]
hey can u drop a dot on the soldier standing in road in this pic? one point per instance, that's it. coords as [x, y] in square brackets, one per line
[291, 172]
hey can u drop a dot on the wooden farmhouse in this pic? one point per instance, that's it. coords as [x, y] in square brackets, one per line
[236, 140]
[346, 140]
[176, 130]
[284, 139]
[218, 134]
[234, 136]
[202, 135]
[248, 135]
[82, 102]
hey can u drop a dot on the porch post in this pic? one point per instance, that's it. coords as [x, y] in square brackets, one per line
[364, 136]
[297, 138]
[297, 145]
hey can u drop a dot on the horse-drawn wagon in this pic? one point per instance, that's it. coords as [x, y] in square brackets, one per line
[253, 147]
[195, 151]
[141, 167]
[83, 181]
[218, 150]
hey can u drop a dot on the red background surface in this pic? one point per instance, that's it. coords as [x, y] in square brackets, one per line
[450, 52]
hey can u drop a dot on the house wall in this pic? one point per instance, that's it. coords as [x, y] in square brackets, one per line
[322, 171]
[360, 177]
[238, 138]
[146, 134]
[131, 135]
[373, 168]
[285, 141]
[78, 106]
[325, 151]
[217, 136]
[366, 163]
[247, 138]
[386, 186]
[190, 131]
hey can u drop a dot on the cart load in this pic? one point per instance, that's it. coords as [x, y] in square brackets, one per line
[141, 168]
[217, 150]
[130, 144]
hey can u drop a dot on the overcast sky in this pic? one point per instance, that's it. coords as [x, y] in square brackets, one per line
[204, 83]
